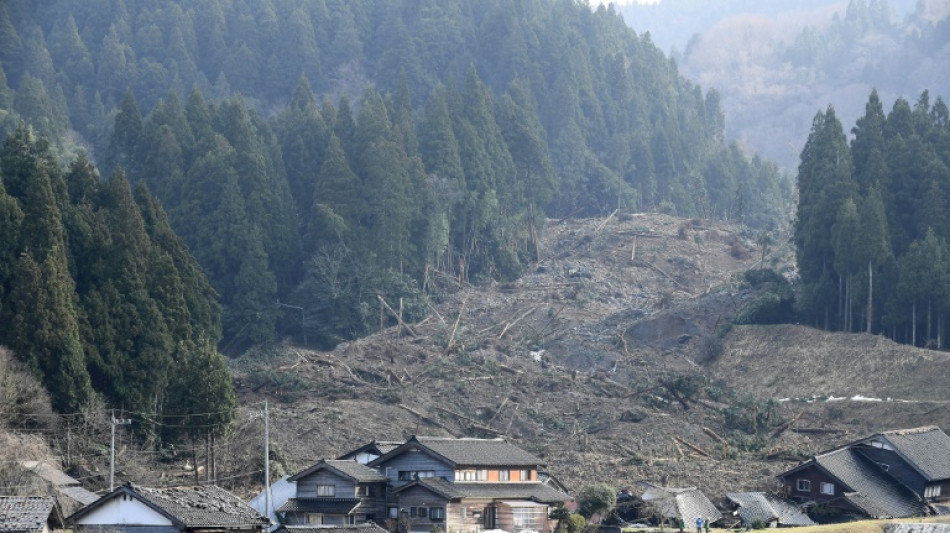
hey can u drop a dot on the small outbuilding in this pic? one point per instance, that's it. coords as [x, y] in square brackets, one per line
[686, 504]
[189, 509]
[767, 510]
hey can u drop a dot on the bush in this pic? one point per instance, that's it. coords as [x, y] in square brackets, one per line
[594, 499]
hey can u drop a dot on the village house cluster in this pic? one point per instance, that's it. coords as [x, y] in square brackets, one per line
[467, 485]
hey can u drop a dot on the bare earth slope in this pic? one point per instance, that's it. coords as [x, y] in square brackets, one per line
[604, 360]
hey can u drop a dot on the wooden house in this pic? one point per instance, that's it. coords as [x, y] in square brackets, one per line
[894, 474]
[335, 492]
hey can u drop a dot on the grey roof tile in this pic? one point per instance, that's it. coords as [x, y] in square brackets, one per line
[479, 452]
[876, 494]
[201, 505]
[687, 504]
[356, 528]
[79, 494]
[928, 448]
[766, 508]
[24, 513]
[320, 505]
[537, 492]
[347, 467]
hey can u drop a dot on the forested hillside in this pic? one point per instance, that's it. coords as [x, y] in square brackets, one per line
[315, 155]
[98, 295]
[884, 266]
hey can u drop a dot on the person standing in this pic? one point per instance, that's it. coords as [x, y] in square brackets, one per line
[699, 524]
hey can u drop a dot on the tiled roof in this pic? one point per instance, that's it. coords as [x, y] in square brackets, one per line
[201, 505]
[927, 448]
[537, 492]
[687, 504]
[24, 513]
[320, 505]
[876, 494]
[766, 508]
[479, 452]
[79, 494]
[347, 467]
[50, 473]
[356, 528]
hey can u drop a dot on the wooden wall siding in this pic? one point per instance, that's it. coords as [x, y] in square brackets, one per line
[414, 460]
[454, 523]
[344, 487]
[897, 468]
[504, 518]
[420, 497]
[816, 477]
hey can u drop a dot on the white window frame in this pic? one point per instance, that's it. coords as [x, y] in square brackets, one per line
[525, 475]
[326, 491]
[504, 475]
[932, 491]
[314, 519]
[393, 512]
[828, 489]
[436, 514]
[803, 485]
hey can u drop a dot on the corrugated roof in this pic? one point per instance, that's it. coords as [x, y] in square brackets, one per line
[347, 467]
[24, 513]
[766, 508]
[927, 448]
[537, 492]
[202, 505]
[320, 505]
[479, 452]
[357, 528]
[876, 494]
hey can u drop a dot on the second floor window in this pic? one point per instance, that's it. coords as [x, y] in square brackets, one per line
[504, 475]
[828, 488]
[471, 475]
[436, 513]
[525, 475]
[411, 475]
[804, 485]
[326, 491]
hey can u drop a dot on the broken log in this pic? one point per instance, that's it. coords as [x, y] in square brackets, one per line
[397, 316]
[603, 224]
[781, 429]
[817, 431]
[428, 420]
[693, 447]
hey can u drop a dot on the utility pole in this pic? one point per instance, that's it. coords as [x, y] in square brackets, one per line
[266, 464]
[121, 422]
[303, 327]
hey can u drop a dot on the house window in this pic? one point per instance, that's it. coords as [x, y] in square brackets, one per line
[328, 491]
[525, 475]
[314, 519]
[393, 512]
[828, 488]
[365, 490]
[932, 491]
[532, 518]
[411, 475]
[804, 485]
[463, 512]
[436, 513]
[481, 475]
[504, 475]
[418, 512]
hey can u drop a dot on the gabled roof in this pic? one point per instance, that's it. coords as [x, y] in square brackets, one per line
[927, 449]
[869, 489]
[375, 447]
[532, 491]
[347, 468]
[280, 491]
[767, 508]
[320, 505]
[61, 482]
[188, 506]
[24, 513]
[467, 452]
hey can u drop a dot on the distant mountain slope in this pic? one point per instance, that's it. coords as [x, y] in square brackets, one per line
[776, 69]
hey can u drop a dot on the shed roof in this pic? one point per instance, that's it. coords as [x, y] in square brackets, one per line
[533, 491]
[767, 508]
[320, 505]
[368, 527]
[24, 513]
[347, 468]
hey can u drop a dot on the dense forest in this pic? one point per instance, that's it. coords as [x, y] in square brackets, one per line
[872, 228]
[316, 157]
